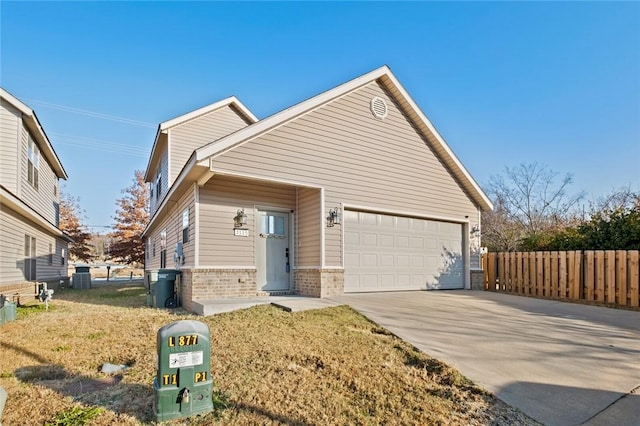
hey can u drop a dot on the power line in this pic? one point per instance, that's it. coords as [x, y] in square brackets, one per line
[91, 113]
[101, 145]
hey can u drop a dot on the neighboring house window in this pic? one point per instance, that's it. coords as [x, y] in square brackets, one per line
[154, 248]
[50, 254]
[163, 249]
[29, 257]
[55, 188]
[62, 257]
[33, 163]
[185, 226]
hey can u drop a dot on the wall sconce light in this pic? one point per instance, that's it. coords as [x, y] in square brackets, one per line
[240, 219]
[334, 217]
[475, 230]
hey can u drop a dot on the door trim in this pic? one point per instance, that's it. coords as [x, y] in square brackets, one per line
[292, 253]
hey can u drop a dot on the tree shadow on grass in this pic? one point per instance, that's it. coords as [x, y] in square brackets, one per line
[109, 392]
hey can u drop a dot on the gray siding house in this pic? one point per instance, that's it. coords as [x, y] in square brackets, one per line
[352, 190]
[32, 247]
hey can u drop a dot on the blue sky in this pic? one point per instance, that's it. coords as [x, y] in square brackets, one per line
[504, 83]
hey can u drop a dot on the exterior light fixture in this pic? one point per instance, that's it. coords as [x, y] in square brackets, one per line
[334, 217]
[475, 230]
[240, 219]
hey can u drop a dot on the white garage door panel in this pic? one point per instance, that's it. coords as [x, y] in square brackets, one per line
[387, 253]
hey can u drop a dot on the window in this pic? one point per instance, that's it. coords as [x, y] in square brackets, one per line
[29, 257]
[56, 182]
[154, 248]
[50, 254]
[62, 257]
[56, 214]
[185, 226]
[33, 163]
[272, 225]
[163, 249]
[159, 185]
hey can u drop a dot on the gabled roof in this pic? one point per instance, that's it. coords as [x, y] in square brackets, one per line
[386, 78]
[33, 124]
[166, 125]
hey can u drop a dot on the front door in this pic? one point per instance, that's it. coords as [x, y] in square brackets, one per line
[272, 251]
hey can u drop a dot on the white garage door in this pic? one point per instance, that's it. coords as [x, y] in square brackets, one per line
[390, 253]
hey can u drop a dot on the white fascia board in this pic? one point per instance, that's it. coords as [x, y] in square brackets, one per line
[231, 100]
[461, 170]
[13, 202]
[148, 178]
[288, 114]
[31, 120]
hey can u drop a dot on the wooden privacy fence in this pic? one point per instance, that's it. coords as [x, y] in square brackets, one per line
[611, 276]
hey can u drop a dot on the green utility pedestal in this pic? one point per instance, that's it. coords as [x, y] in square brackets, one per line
[183, 384]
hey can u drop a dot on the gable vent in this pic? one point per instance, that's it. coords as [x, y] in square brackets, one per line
[379, 108]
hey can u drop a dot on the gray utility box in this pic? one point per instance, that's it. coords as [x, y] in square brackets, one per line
[163, 288]
[7, 310]
[82, 278]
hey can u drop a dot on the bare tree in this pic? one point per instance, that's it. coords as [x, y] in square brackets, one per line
[530, 200]
[71, 223]
[132, 216]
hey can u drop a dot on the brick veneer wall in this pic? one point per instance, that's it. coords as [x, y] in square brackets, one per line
[306, 282]
[477, 279]
[318, 282]
[202, 284]
[332, 282]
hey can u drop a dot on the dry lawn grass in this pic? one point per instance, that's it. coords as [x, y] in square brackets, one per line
[329, 366]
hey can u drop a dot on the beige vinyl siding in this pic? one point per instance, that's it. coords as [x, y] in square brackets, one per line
[359, 160]
[186, 138]
[172, 223]
[151, 261]
[42, 199]
[10, 120]
[219, 200]
[332, 235]
[308, 228]
[12, 233]
[163, 167]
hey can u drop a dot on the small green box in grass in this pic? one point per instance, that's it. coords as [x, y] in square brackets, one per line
[8, 312]
[183, 383]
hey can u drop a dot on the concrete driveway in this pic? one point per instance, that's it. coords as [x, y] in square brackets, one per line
[560, 363]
